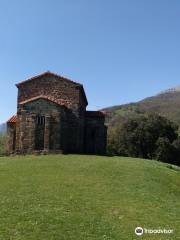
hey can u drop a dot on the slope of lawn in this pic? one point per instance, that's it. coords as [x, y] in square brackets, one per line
[64, 197]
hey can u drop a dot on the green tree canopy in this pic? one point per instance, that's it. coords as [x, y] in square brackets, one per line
[147, 136]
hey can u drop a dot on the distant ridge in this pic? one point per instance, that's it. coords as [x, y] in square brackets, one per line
[165, 103]
[3, 128]
[175, 89]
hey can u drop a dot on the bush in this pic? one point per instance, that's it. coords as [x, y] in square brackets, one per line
[165, 150]
[146, 136]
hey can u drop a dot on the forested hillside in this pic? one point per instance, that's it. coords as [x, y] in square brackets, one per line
[166, 104]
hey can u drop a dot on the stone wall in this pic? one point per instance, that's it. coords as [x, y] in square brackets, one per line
[62, 129]
[30, 132]
[25, 132]
[95, 135]
[11, 137]
[66, 91]
[51, 115]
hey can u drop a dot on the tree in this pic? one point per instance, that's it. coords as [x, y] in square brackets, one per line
[165, 150]
[145, 136]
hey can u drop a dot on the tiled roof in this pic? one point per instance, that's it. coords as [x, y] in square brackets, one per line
[46, 74]
[13, 119]
[59, 101]
[94, 114]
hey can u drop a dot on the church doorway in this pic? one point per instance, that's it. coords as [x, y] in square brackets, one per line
[91, 135]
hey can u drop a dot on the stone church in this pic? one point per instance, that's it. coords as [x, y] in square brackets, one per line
[52, 117]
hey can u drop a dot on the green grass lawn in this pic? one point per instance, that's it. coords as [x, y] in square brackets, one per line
[87, 197]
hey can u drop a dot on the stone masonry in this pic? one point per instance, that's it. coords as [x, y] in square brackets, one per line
[52, 117]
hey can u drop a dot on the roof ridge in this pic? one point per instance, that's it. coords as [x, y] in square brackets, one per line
[12, 119]
[46, 73]
[61, 102]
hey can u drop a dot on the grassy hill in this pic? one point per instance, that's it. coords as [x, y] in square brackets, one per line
[166, 103]
[76, 197]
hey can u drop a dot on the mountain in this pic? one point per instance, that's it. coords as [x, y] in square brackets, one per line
[166, 103]
[3, 128]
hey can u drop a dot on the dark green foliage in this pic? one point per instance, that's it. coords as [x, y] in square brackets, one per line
[164, 151]
[176, 146]
[147, 136]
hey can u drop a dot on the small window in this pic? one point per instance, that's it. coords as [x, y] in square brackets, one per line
[40, 120]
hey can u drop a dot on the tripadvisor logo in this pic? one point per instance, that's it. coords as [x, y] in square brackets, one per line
[139, 231]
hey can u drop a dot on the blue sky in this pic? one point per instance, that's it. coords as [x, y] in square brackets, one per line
[120, 50]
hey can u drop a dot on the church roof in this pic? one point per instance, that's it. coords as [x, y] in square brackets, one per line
[46, 74]
[61, 102]
[13, 119]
